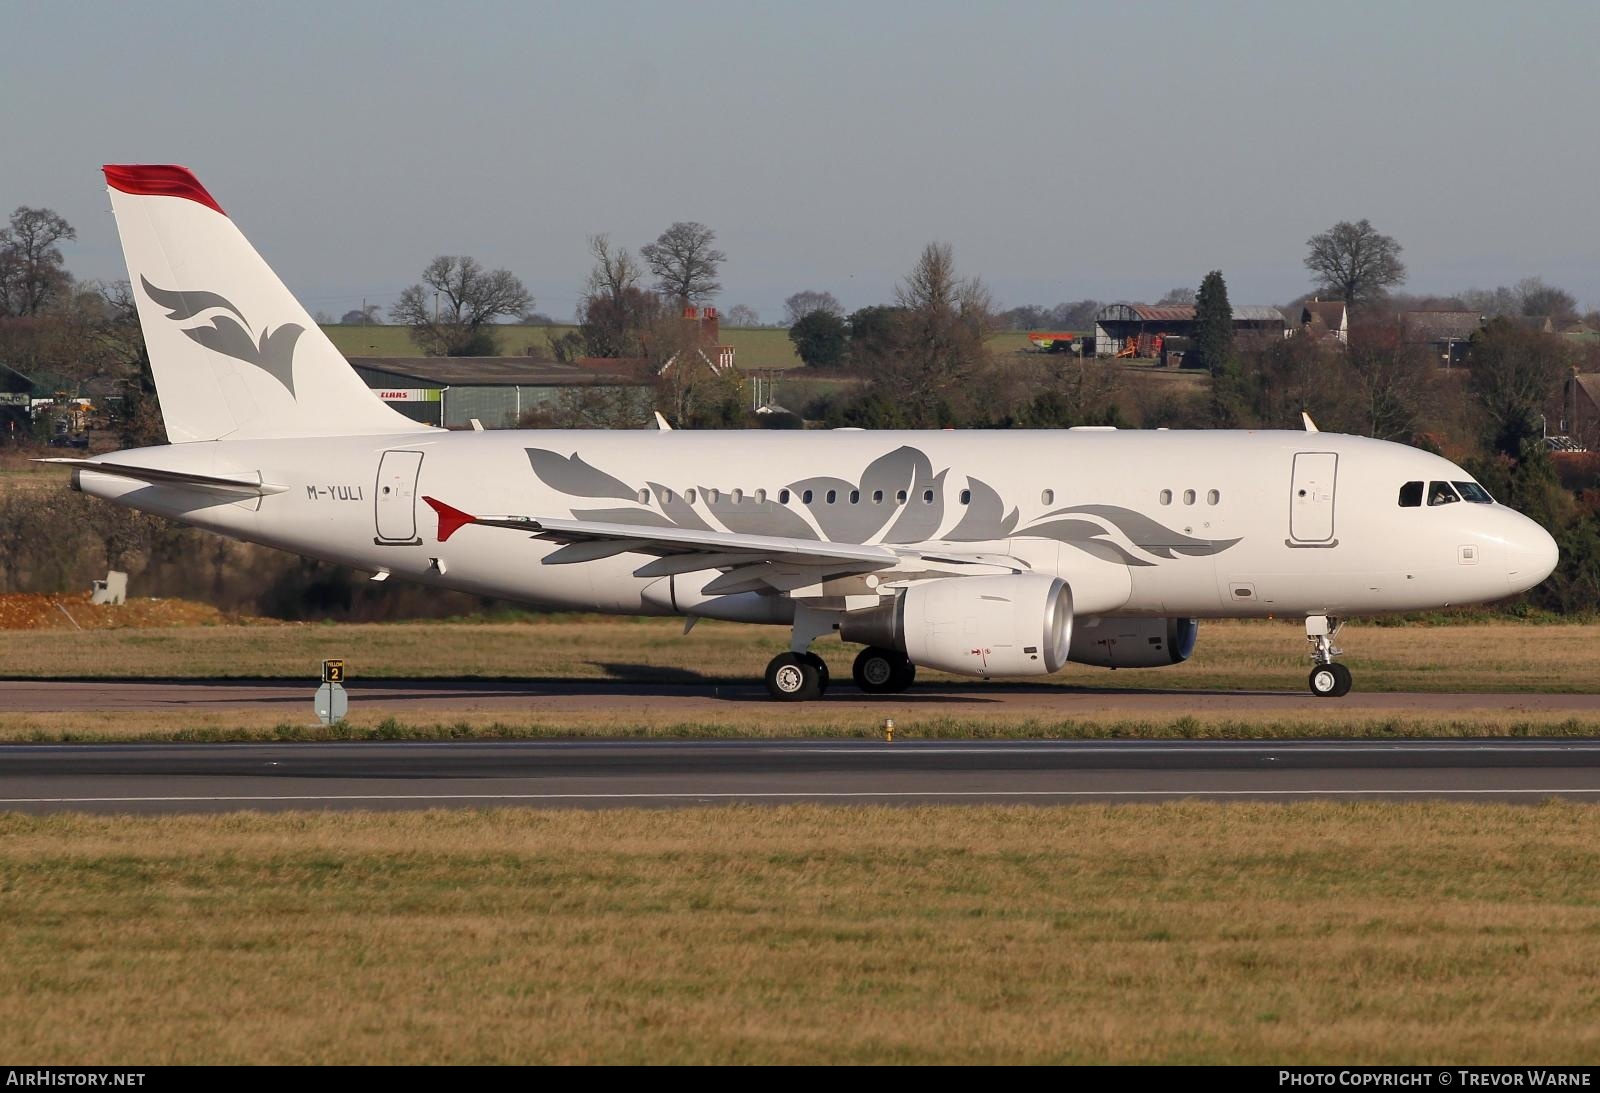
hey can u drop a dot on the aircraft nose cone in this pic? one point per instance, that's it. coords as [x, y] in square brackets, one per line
[1531, 558]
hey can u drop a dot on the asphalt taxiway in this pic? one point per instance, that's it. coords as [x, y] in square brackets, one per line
[698, 697]
[160, 778]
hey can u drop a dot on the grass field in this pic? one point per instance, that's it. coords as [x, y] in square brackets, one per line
[1232, 655]
[1494, 656]
[1187, 933]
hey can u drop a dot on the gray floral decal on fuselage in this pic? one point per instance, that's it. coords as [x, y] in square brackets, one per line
[273, 352]
[900, 500]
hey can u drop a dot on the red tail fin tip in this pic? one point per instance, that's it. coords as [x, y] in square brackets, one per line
[451, 519]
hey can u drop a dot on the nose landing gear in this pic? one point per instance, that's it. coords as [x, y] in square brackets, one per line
[1328, 679]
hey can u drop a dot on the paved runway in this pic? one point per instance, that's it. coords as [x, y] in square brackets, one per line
[691, 699]
[153, 778]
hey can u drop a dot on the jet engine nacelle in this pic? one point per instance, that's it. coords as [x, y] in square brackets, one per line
[1133, 643]
[1016, 625]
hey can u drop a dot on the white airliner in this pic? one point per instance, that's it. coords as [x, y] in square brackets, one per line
[979, 553]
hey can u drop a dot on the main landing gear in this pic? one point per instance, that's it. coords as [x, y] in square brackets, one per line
[796, 677]
[1328, 679]
[800, 674]
[882, 671]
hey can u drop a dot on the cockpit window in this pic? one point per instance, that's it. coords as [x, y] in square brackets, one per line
[1411, 495]
[1442, 493]
[1471, 491]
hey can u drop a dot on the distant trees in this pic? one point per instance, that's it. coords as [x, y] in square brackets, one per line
[1213, 334]
[743, 315]
[32, 271]
[1529, 296]
[820, 338]
[1213, 348]
[450, 312]
[1514, 370]
[615, 313]
[1354, 262]
[803, 303]
[941, 333]
[367, 315]
[1074, 315]
[685, 262]
[1182, 296]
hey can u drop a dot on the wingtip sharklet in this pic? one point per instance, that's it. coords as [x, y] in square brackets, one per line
[451, 519]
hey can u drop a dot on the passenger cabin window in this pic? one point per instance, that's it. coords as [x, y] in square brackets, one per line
[927, 497]
[900, 497]
[737, 497]
[666, 496]
[855, 497]
[1212, 497]
[1442, 493]
[877, 497]
[1188, 497]
[1166, 497]
[783, 497]
[1471, 491]
[807, 496]
[713, 496]
[688, 495]
[1411, 495]
[833, 495]
[644, 497]
[966, 497]
[1048, 497]
[761, 497]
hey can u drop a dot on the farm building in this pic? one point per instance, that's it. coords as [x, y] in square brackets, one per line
[1449, 333]
[1142, 330]
[1325, 320]
[452, 391]
[16, 391]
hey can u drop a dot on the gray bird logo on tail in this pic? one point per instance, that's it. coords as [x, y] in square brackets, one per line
[272, 351]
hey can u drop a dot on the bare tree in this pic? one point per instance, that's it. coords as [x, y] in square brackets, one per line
[743, 315]
[615, 312]
[1538, 298]
[450, 312]
[1354, 262]
[32, 273]
[803, 303]
[1386, 383]
[685, 262]
[1514, 372]
[939, 352]
[1182, 296]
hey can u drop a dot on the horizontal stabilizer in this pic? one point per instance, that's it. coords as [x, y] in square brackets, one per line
[237, 484]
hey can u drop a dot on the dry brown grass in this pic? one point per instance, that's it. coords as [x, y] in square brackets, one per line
[373, 720]
[1269, 655]
[1182, 933]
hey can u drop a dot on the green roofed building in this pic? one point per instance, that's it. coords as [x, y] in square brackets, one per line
[496, 391]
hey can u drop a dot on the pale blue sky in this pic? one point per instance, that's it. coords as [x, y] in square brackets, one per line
[1066, 150]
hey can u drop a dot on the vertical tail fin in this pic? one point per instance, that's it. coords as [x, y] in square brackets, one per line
[234, 354]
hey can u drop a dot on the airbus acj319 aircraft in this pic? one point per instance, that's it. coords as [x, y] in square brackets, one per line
[979, 553]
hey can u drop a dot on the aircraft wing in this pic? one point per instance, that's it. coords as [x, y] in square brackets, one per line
[750, 562]
[586, 540]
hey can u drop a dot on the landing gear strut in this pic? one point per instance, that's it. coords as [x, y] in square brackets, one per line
[1328, 679]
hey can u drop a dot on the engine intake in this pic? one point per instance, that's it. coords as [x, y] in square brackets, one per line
[1015, 625]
